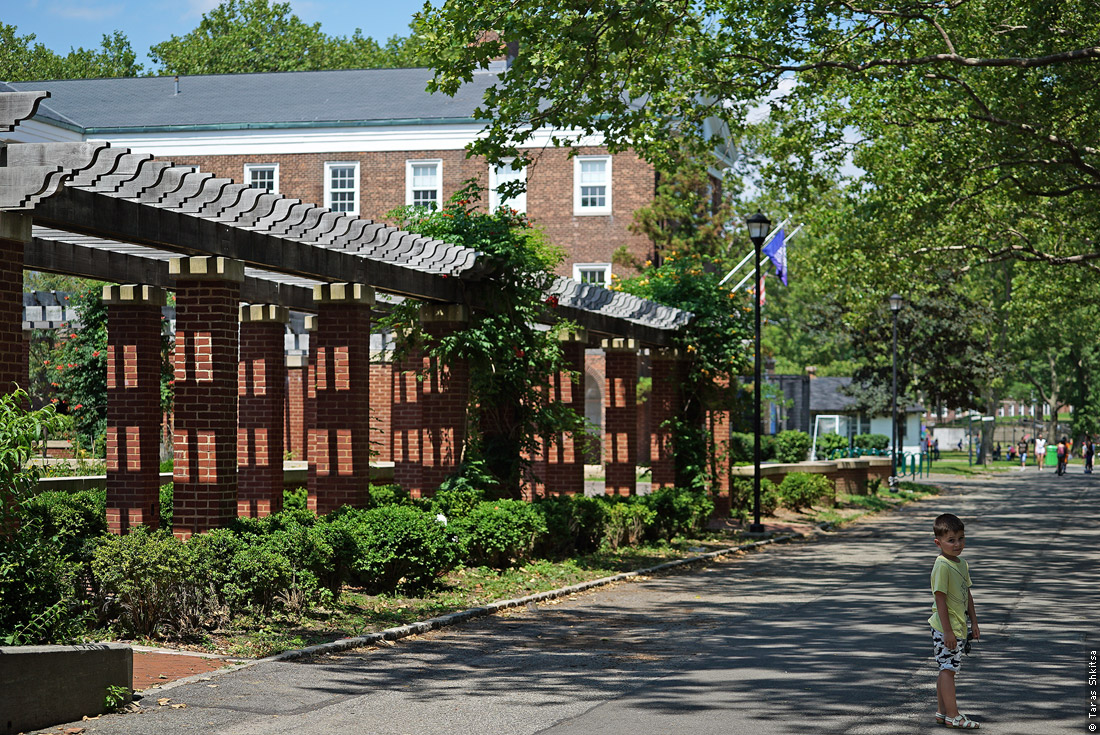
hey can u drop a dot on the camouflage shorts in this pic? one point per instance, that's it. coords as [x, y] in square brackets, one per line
[948, 659]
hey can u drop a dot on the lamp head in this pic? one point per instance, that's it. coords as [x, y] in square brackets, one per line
[758, 227]
[895, 303]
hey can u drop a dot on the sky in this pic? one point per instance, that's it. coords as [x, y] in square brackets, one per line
[63, 24]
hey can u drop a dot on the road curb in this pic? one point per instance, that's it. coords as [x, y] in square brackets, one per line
[444, 621]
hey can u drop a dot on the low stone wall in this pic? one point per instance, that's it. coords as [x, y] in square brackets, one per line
[850, 475]
[41, 686]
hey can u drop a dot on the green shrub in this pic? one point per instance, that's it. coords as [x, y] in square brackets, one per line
[871, 441]
[742, 447]
[499, 533]
[742, 500]
[76, 519]
[392, 547]
[802, 489]
[828, 443]
[456, 500]
[296, 499]
[258, 573]
[167, 493]
[792, 446]
[626, 523]
[574, 523]
[142, 573]
[677, 512]
[388, 495]
[38, 603]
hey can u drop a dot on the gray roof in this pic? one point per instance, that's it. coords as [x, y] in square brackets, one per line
[274, 99]
[827, 396]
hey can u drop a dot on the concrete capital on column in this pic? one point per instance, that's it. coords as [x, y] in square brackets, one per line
[206, 268]
[619, 345]
[343, 293]
[134, 295]
[311, 323]
[444, 313]
[264, 313]
[297, 361]
[15, 226]
[576, 335]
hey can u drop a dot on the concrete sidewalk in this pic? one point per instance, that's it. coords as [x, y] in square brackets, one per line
[826, 636]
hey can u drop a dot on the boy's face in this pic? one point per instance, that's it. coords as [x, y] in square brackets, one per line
[952, 544]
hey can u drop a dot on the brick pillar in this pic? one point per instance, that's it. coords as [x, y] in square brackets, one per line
[445, 392]
[294, 413]
[133, 406]
[339, 439]
[620, 430]
[261, 395]
[718, 423]
[381, 408]
[15, 233]
[666, 404]
[309, 414]
[564, 465]
[405, 420]
[208, 293]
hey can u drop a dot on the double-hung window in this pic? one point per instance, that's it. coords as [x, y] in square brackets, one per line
[423, 184]
[592, 185]
[262, 176]
[598, 274]
[342, 186]
[502, 174]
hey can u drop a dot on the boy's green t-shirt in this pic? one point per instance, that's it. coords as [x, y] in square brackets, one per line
[953, 579]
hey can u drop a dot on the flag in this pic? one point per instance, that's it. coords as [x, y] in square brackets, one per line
[776, 250]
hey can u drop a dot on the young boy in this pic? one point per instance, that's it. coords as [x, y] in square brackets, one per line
[953, 602]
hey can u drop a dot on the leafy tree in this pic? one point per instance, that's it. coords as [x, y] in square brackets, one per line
[952, 104]
[21, 59]
[262, 36]
[510, 359]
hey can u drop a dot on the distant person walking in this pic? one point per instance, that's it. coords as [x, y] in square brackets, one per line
[1063, 455]
[1023, 453]
[1040, 451]
[1088, 450]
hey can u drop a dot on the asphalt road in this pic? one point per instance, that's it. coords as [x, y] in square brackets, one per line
[823, 636]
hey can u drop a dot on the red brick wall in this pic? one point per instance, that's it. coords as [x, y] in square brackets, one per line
[205, 435]
[133, 416]
[261, 396]
[620, 431]
[586, 239]
[381, 411]
[665, 402]
[564, 462]
[294, 429]
[405, 422]
[12, 367]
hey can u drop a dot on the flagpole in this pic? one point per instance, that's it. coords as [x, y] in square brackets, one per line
[745, 280]
[747, 257]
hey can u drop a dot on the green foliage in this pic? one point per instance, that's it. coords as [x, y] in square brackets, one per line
[742, 447]
[509, 358]
[115, 696]
[626, 523]
[144, 573]
[792, 446]
[742, 500]
[877, 442]
[19, 429]
[21, 59]
[829, 443]
[499, 533]
[574, 523]
[799, 490]
[677, 512]
[296, 499]
[167, 494]
[74, 519]
[241, 36]
[392, 548]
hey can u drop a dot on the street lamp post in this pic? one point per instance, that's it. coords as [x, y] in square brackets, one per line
[895, 307]
[759, 225]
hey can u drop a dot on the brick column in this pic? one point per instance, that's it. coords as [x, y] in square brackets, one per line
[620, 430]
[339, 439]
[718, 422]
[444, 395]
[381, 407]
[207, 299]
[15, 233]
[405, 420]
[294, 413]
[261, 395]
[666, 404]
[564, 465]
[133, 406]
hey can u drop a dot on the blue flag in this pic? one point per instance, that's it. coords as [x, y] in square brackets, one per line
[776, 250]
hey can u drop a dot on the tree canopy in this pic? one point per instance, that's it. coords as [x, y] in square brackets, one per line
[22, 59]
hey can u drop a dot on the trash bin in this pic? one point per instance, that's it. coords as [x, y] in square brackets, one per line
[1052, 455]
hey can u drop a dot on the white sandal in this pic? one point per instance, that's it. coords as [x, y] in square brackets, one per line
[962, 722]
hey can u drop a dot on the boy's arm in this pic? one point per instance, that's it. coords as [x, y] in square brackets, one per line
[949, 639]
[973, 618]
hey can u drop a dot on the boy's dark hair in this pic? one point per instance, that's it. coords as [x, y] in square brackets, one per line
[947, 523]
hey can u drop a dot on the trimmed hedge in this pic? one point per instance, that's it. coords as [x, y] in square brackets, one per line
[792, 446]
[802, 489]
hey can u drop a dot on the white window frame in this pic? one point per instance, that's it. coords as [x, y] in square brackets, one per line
[438, 162]
[495, 180]
[329, 166]
[604, 267]
[579, 210]
[274, 167]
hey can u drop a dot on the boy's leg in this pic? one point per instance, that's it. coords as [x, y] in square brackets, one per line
[945, 693]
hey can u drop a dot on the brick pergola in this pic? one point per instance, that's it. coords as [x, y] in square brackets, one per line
[239, 260]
